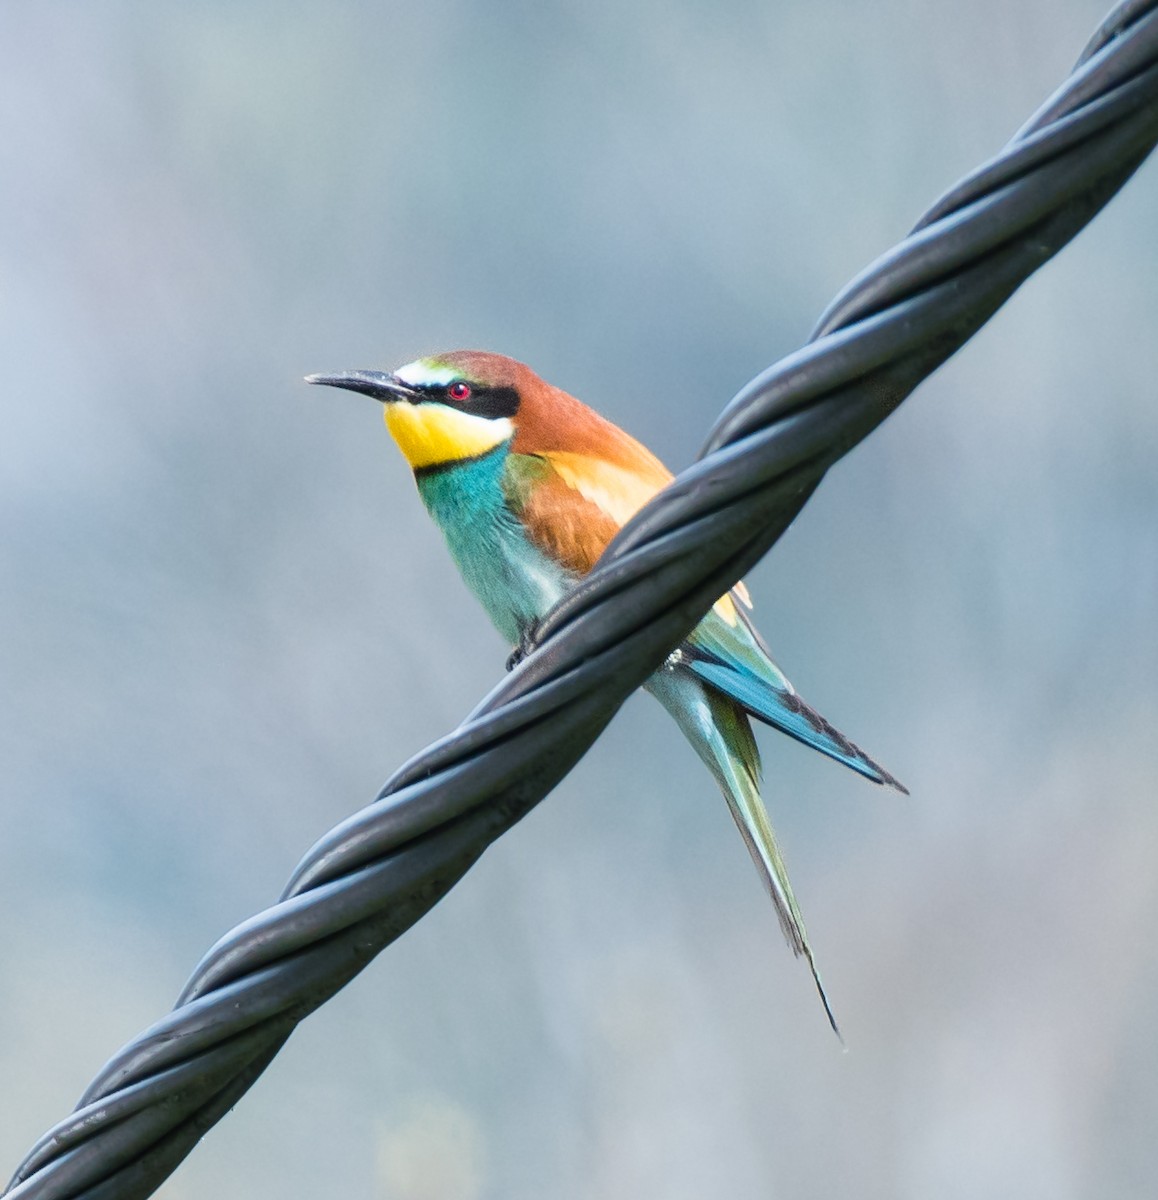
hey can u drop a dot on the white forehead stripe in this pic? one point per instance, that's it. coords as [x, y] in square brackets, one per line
[427, 372]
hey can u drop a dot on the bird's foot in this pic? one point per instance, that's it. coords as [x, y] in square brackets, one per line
[526, 645]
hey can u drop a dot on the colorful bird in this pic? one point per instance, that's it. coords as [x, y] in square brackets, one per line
[528, 485]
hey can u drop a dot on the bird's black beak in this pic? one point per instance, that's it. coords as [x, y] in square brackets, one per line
[378, 384]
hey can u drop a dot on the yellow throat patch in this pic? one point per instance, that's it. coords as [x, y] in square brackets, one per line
[432, 434]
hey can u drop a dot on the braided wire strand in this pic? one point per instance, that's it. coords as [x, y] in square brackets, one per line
[383, 868]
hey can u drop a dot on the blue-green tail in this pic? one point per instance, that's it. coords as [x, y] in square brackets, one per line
[718, 729]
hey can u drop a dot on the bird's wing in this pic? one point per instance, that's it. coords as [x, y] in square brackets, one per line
[571, 505]
[731, 656]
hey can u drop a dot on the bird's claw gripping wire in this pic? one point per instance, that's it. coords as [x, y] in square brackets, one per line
[527, 641]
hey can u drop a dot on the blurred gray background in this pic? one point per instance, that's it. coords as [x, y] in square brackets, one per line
[225, 617]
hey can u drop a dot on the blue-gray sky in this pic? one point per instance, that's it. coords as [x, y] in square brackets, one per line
[225, 617]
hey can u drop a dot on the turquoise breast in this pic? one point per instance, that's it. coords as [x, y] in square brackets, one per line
[515, 582]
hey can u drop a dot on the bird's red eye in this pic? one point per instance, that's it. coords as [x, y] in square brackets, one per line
[459, 390]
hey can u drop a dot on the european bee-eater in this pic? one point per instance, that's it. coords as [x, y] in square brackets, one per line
[528, 485]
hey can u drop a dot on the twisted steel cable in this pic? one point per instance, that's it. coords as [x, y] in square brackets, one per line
[378, 872]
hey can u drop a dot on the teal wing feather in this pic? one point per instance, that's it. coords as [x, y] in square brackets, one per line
[732, 659]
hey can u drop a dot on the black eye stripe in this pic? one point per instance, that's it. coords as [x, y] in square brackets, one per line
[483, 402]
[492, 402]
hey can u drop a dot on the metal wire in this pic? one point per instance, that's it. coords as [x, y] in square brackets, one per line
[379, 871]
